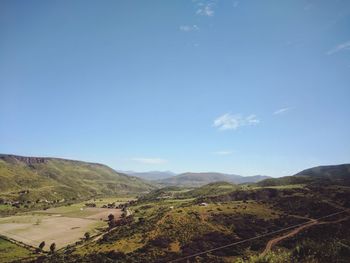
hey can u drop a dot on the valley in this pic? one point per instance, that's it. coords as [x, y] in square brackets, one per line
[193, 131]
[301, 218]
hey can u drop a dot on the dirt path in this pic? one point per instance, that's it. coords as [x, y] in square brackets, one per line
[271, 243]
[274, 241]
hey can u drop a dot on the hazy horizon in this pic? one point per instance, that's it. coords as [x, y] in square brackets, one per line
[172, 171]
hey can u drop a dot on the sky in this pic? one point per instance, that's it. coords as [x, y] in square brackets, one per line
[245, 87]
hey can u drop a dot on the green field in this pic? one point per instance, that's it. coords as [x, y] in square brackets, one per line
[10, 252]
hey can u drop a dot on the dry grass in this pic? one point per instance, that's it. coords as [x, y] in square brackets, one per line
[62, 228]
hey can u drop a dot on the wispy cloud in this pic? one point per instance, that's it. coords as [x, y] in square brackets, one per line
[149, 160]
[205, 9]
[233, 122]
[338, 48]
[222, 152]
[189, 28]
[281, 111]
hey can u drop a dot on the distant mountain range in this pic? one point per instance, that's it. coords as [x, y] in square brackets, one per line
[152, 175]
[323, 174]
[200, 179]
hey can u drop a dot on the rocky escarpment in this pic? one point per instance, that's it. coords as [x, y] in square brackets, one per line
[24, 159]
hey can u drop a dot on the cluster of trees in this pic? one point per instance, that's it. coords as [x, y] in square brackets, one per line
[124, 220]
[42, 245]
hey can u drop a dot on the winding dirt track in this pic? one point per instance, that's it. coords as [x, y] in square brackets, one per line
[271, 243]
[274, 241]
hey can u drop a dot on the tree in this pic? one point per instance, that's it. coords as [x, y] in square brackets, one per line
[42, 245]
[87, 235]
[110, 217]
[112, 223]
[52, 247]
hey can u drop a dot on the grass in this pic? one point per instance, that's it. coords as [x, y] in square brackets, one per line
[80, 210]
[10, 252]
[291, 186]
[288, 186]
[235, 207]
[23, 219]
[106, 200]
[180, 220]
[6, 208]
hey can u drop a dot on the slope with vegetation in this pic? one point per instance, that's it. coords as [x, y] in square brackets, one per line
[308, 222]
[29, 181]
[303, 218]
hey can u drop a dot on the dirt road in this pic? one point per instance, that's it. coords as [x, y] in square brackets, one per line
[295, 231]
[271, 243]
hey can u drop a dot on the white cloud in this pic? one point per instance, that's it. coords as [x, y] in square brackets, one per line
[233, 122]
[222, 152]
[281, 111]
[149, 160]
[187, 28]
[205, 9]
[340, 47]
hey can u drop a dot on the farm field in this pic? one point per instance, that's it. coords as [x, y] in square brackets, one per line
[60, 225]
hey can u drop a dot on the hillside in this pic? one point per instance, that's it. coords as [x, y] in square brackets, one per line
[288, 223]
[327, 171]
[328, 174]
[200, 179]
[211, 189]
[33, 178]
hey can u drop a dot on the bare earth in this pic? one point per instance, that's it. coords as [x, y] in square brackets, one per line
[57, 228]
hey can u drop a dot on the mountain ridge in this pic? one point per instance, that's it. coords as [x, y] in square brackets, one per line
[57, 178]
[150, 175]
[190, 179]
[331, 174]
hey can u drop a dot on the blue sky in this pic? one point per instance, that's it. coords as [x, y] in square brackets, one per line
[246, 87]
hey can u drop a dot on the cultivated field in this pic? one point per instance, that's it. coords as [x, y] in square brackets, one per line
[61, 225]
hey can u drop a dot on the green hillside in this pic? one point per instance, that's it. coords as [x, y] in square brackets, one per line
[52, 179]
[330, 174]
[333, 172]
[305, 222]
[211, 189]
[302, 223]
